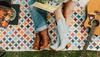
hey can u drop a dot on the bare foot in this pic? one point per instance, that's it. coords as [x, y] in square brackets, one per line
[58, 13]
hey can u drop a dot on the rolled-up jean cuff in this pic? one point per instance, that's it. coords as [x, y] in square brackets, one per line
[41, 29]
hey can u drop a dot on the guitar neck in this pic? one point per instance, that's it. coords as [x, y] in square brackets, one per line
[88, 40]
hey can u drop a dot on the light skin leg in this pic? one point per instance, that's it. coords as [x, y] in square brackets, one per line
[66, 14]
[68, 8]
[58, 13]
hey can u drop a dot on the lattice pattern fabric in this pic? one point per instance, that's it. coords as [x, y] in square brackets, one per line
[21, 37]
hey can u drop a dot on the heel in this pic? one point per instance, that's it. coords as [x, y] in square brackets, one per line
[55, 46]
[67, 46]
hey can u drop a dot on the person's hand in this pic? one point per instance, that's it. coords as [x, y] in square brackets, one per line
[65, 1]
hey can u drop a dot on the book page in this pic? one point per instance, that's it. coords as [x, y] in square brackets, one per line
[48, 5]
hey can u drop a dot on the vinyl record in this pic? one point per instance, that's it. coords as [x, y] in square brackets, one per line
[13, 15]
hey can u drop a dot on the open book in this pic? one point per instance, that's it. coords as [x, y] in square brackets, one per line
[48, 5]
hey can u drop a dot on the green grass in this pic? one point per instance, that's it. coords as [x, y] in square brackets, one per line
[50, 53]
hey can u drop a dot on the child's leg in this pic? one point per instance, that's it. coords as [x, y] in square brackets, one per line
[68, 8]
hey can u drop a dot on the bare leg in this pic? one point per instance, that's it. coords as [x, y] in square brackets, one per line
[62, 24]
[68, 8]
[58, 13]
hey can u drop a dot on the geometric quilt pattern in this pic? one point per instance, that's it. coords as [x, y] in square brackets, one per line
[21, 37]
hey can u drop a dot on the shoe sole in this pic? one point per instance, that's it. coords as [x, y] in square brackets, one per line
[52, 49]
[60, 50]
[67, 46]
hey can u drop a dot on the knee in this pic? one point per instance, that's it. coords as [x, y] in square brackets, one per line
[67, 13]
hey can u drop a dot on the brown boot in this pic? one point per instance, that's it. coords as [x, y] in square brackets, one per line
[45, 39]
[37, 42]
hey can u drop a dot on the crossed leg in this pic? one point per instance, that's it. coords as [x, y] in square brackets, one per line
[63, 22]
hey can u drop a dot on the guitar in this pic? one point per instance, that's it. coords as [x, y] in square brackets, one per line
[92, 21]
[93, 13]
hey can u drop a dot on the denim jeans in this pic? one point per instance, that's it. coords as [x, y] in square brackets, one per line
[39, 17]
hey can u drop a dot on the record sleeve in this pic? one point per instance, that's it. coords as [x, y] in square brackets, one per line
[15, 14]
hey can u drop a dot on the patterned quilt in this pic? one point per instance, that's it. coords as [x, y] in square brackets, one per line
[21, 37]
